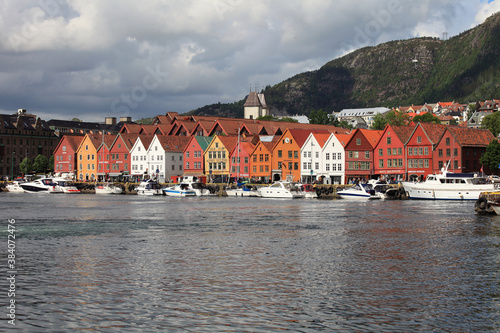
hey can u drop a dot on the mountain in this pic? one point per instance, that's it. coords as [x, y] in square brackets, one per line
[464, 68]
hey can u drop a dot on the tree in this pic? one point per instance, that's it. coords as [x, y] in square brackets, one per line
[491, 158]
[492, 122]
[76, 119]
[26, 166]
[319, 117]
[393, 117]
[426, 118]
[50, 166]
[40, 164]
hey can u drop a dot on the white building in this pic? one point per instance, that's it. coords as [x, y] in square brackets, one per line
[333, 153]
[367, 114]
[255, 106]
[139, 156]
[165, 156]
[312, 159]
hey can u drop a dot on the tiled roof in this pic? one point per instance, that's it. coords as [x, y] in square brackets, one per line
[343, 138]
[321, 138]
[203, 141]
[228, 141]
[471, 137]
[173, 143]
[372, 136]
[403, 132]
[433, 131]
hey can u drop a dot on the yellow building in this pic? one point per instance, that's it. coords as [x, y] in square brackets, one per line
[217, 156]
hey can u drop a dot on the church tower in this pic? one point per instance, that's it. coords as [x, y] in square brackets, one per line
[255, 106]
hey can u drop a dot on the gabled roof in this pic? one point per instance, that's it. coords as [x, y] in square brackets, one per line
[145, 140]
[372, 136]
[301, 136]
[228, 141]
[321, 138]
[471, 137]
[173, 143]
[73, 141]
[433, 131]
[402, 132]
[343, 138]
[128, 139]
[131, 128]
[203, 141]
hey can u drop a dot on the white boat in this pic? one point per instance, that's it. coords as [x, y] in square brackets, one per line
[199, 188]
[385, 191]
[180, 190]
[308, 191]
[242, 191]
[281, 189]
[107, 188]
[359, 192]
[149, 187]
[43, 185]
[66, 186]
[15, 186]
[448, 186]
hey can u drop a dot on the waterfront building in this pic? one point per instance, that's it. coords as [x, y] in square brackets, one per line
[240, 159]
[216, 157]
[334, 158]
[23, 135]
[420, 149]
[65, 154]
[389, 153]
[462, 148]
[313, 160]
[87, 160]
[193, 156]
[260, 158]
[359, 154]
[139, 156]
[165, 157]
[120, 158]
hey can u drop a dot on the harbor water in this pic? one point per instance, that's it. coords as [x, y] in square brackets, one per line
[128, 263]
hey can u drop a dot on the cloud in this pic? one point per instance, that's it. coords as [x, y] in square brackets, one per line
[96, 58]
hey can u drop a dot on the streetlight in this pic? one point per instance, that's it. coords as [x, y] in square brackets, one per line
[12, 166]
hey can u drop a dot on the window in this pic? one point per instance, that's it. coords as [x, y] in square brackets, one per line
[419, 139]
[316, 166]
[440, 152]
[420, 150]
[280, 154]
[400, 151]
[389, 151]
[447, 141]
[295, 154]
[327, 167]
[367, 154]
[187, 165]
[380, 152]
[380, 163]
[455, 152]
[317, 154]
[426, 150]
[358, 141]
[63, 148]
[448, 152]
[290, 154]
[394, 151]
[389, 140]
[327, 156]
[410, 151]
[187, 155]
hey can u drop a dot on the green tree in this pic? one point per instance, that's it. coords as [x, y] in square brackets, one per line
[492, 122]
[26, 166]
[392, 117]
[50, 166]
[426, 118]
[491, 158]
[40, 164]
[319, 117]
[76, 119]
[288, 120]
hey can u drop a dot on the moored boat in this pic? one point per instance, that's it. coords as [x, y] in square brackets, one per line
[180, 190]
[448, 186]
[107, 188]
[242, 191]
[149, 187]
[281, 189]
[15, 186]
[66, 186]
[359, 192]
[42, 185]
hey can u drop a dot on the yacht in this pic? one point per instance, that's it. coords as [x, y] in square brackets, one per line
[15, 186]
[149, 187]
[107, 188]
[43, 185]
[359, 192]
[180, 190]
[449, 186]
[281, 189]
[66, 186]
[242, 191]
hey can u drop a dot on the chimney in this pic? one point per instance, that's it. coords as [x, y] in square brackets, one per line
[110, 120]
[126, 119]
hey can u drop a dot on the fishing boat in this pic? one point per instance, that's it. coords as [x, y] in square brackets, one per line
[179, 190]
[281, 189]
[448, 186]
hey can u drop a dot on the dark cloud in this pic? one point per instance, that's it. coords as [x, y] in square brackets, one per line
[115, 58]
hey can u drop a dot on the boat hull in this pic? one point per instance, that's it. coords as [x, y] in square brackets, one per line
[179, 193]
[242, 193]
[422, 192]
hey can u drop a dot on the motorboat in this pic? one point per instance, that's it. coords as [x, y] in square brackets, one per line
[199, 188]
[42, 185]
[242, 191]
[359, 192]
[448, 186]
[281, 189]
[149, 187]
[107, 188]
[309, 191]
[66, 186]
[385, 191]
[179, 190]
[15, 186]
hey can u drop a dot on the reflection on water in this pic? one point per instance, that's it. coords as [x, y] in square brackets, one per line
[131, 263]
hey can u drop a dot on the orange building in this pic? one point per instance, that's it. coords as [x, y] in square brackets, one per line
[260, 160]
[87, 157]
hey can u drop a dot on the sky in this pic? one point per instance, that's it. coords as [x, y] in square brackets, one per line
[92, 59]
